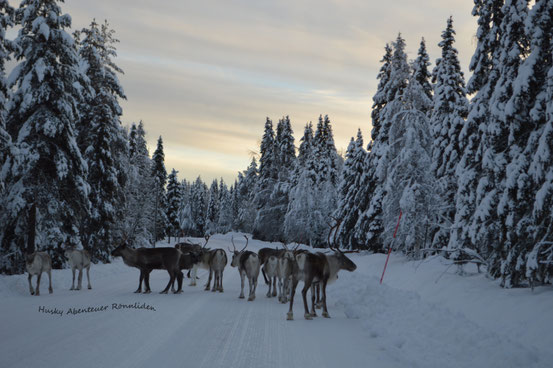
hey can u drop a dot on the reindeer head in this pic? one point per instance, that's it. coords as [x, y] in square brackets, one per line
[29, 258]
[235, 253]
[68, 249]
[345, 263]
[118, 252]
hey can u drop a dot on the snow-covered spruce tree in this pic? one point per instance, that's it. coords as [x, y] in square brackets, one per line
[525, 207]
[409, 184]
[224, 223]
[101, 138]
[212, 215]
[471, 188]
[138, 210]
[159, 175]
[297, 222]
[47, 168]
[6, 20]
[380, 98]
[174, 199]
[271, 215]
[327, 166]
[368, 230]
[394, 75]
[245, 191]
[511, 49]
[421, 73]
[198, 207]
[186, 224]
[447, 119]
[265, 184]
[348, 202]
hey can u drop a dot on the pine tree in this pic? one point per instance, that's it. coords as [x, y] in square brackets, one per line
[488, 226]
[198, 206]
[302, 196]
[101, 138]
[525, 206]
[380, 98]
[6, 20]
[471, 188]
[245, 190]
[348, 205]
[409, 184]
[159, 175]
[212, 216]
[268, 175]
[224, 223]
[47, 168]
[447, 120]
[420, 70]
[174, 199]
[138, 210]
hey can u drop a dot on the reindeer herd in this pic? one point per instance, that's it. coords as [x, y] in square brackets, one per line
[282, 269]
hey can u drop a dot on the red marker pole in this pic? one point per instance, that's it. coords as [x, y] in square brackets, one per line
[390, 248]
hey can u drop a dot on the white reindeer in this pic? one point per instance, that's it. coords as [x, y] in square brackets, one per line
[248, 265]
[37, 263]
[270, 269]
[78, 259]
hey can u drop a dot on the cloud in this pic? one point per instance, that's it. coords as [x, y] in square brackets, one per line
[204, 75]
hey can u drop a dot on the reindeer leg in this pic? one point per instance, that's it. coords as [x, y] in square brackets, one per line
[318, 302]
[50, 289]
[242, 285]
[80, 284]
[290, 314]
[180, 278]
[221, 281]
[192, 275]
[37, 293]
[147, 282]
[325, 311]
[313, 289]
[251, 296]
[307, 285]
[208, 280]
[88, 276]
[139, 290]
[31, 285]
[275, 286]
[171, 281]
[73, 282]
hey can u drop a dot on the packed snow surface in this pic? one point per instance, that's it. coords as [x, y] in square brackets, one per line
[423, 315]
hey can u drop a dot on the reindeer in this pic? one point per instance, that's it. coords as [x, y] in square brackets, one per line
[318, 268]
[37, 263]
[148, 259]
[248, 266]
[78, 259]
[270, 271]
[217, 262]
[287, 266]
[202, 252]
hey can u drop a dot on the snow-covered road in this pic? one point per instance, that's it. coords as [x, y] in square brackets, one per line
[371, 326]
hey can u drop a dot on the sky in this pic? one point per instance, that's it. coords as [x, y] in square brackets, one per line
[204, 75]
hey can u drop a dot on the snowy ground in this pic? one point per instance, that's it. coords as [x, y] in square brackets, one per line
[419, 317]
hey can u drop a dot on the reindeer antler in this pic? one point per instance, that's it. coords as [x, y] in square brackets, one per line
[335, 229]
[247, 240]
[206, 240]
[233, 246]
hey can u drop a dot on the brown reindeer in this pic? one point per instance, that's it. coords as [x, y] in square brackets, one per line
[37, 263]
[318, 268]
[148, 259]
